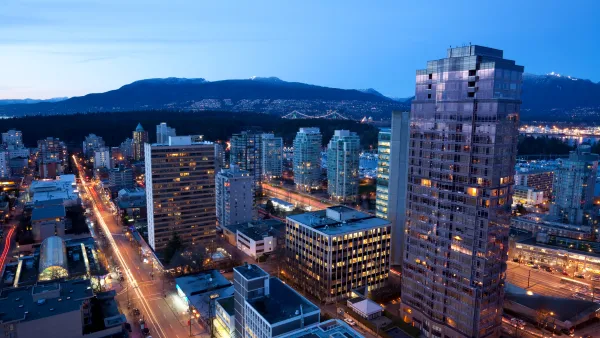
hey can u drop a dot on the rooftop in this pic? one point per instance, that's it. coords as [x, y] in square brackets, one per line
[333, 328]
[282, 303]
[259, 229]
[227, 304]
[579, 247]
[250, 271]
[43, 300]
[339, 220]
[52, 211]
[202, 282]
[45, 203]
[563, 308]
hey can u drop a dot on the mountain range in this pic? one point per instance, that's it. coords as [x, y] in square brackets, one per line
[30, 101]
[550, 97]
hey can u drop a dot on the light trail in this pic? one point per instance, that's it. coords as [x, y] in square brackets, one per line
[6, 247]
[132, 281]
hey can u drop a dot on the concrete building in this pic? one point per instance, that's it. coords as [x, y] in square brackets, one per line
[528, 196]
[102, 158]
[398, 184]
[48, 221]
[63, 187]
[462, 152]
[573, 188]
[266, 307]
[337, 250]
[245, 152]
[383, 172]
[92, 143]
[539, 223]
[53, 148]
[224, 322]
[234, 196]
[120, 178]
[256, 238]
[163, 132]
[537, 178]
[66, 309]
[180, 185]
[131, 202]
[13, 139]
[343, 152]
[127, 148]
[18, 153]
[307, 158]
[271, 157]
[220, 159]
[139, 138]
[4, 164]
[329, 328]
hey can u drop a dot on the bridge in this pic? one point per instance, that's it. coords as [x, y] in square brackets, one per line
[331, 114]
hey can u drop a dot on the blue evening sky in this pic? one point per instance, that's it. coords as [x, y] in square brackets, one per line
[56, 48]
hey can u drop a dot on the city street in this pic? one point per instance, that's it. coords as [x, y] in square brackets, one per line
[295, 197]
[537, 281]
[166, 317]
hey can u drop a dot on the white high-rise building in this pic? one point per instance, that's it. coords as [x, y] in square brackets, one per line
[307, 158]
[13, 139]
[343, 153]
[180, 191]
[4, 164]
[272, 157]
[102, 158]
[163, 132]
[234, 197]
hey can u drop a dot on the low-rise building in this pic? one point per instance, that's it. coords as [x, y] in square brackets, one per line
[535, 223]
[131, 203]
[327, 329]
[365, 307]
[334, 251]
[256, 238]
[48, 221]
[224, 323]
[120, 178]
[528, 196]
[63, 187]
[66, 309]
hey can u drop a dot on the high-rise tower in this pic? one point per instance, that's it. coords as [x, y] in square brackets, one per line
[343, 152]
[140, 136]
[307, 158]
[462, 148]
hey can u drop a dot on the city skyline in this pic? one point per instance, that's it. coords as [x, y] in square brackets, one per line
[72, 48]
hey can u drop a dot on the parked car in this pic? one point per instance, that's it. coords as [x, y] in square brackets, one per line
[350, 322]
[536, 267]
[579, 275]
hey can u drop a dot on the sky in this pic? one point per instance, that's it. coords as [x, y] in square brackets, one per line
[70, 48]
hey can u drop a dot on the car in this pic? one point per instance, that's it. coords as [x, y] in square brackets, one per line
[564, 273]
[548, 269]
[350, 321]
[536, 267]
[579, 275]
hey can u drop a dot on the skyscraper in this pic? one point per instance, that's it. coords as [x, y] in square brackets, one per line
[272, 157]
[398, 175]
[307, 158]
[245, 152]
[383, 172]
[163, 132]
[463, 142]
[573, 188]
[180, 191]
[102, 158]
[140, 136]
[234, 197]
[343, 152]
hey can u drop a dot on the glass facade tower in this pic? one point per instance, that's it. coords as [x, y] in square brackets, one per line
[462, 149]
[383, 172]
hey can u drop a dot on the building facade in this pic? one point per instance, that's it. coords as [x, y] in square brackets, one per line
[272, 157]
[91, 143]
[13, 139]
[121, 178]
[163, 132]
[180, 185]
[383, 172]
[234, 196]
[528, 196]
[307, 158]
[573, 188]
[4, 164]
[334, 251]
[462, 153]
[139, 138]
[245, 152]
[343, 153]
[538, 179]
[102, 158]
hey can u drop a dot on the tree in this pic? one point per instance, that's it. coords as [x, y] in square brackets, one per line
[521, 209]
[269, 207]
[173, 246]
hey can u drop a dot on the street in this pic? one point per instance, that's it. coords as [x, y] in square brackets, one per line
[537, 281]
[166, 317]
[295, 197]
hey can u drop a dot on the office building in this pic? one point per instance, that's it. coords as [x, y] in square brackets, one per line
[266, 307]
[272, 157]
[102, 158]
[220, 161]
[180, 185]
[245, 152]
[120, 178]
[383, 172]
[462, 152]
[163, 132]
[66, 309]
[92, 143]
[540, 179]
[573, 188]
[4, 164]
[343, 152]
[307, 158]
[234, 196]
[139, 138]
[334, 251]
[398, 183]
[52, 148]
[256, 238]
[13, 139]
